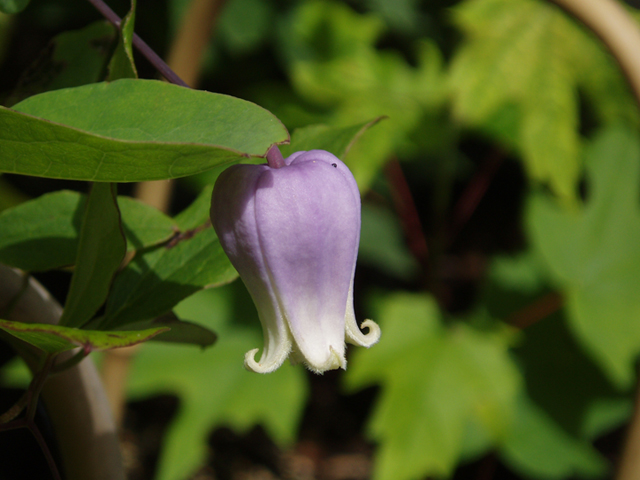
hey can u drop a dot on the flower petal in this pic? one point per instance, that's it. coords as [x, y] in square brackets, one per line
[234, 218]
[308, 222]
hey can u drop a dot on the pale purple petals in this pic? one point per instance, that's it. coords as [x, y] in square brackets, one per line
[292, 233]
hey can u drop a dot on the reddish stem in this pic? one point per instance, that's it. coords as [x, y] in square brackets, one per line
[31, 401]
[407, 211]
[45, 449]
[536, 311]
[474, 193]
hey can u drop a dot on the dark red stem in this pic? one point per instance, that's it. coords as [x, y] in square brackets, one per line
[141, 45]
[536, 311]
[474, 192]
[407, 211]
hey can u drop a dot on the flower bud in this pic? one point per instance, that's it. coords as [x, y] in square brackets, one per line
[291, 229]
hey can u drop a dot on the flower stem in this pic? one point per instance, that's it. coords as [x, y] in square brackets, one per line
[53, 468]
[275, 158]
[15, 410]
[141, 45]
[69, 362]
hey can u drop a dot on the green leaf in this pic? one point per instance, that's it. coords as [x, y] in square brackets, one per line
[13, 6]
[402, 15]
[71, 59]
[122, 64]
[143, 225]
[570, 402]
[530, 54]
[42, 234]
[132, 130]
[592, 253]
[197, 213]
[180, 331]
[155, 281]
[435, 381]
[213, 386]
[383, 245]
[538, 448]
[564, 381]
[337, 140]
[56, 339]
[245, 24]
[101, 249]
[335, 65]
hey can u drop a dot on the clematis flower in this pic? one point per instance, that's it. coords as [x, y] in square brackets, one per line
[291, 229]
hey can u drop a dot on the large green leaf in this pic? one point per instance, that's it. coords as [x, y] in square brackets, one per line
[592, 253]
[56, 339]
[529, 54]
[213, 387]
[43, 233]
[132, 130]
[72, 58]
[101, 249]
[436, 381]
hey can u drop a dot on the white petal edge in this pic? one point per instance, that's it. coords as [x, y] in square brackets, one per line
[334, 362]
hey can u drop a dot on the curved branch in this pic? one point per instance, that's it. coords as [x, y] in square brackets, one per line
[620, 33]
[75, 400]
[616, 28]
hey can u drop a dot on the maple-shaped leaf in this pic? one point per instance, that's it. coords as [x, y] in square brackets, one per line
[451, 393]
[592, 252]
[519, 75]
[436, 382]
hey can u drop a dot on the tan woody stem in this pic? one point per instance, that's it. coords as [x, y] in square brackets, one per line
[609, 20]
[75, 399]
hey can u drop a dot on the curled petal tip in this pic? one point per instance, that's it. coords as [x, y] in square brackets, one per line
[269, 364]
[356, 337]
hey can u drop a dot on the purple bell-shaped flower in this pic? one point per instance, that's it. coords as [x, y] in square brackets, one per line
[291, 229]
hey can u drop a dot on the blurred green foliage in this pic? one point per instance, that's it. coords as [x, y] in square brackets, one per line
[517, 334]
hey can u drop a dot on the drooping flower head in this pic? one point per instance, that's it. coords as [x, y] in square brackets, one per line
[291, 229]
